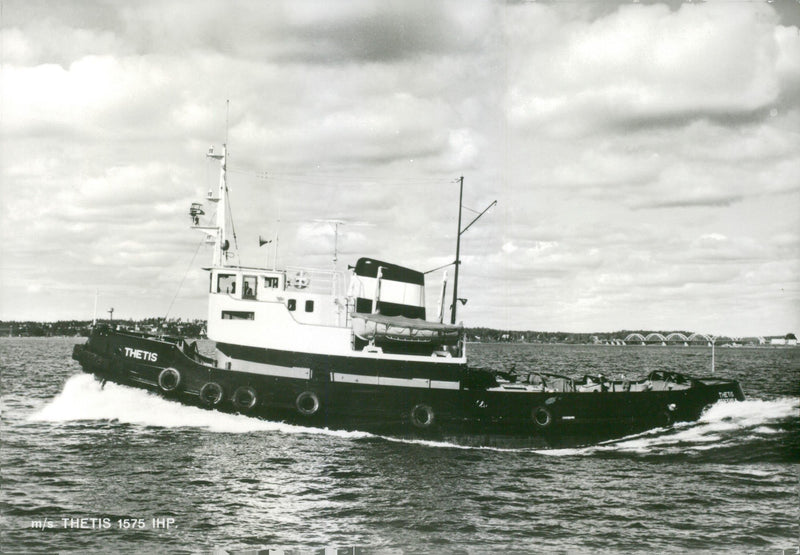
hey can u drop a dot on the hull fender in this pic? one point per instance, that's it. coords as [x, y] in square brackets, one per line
[169, 379]
[307, 403]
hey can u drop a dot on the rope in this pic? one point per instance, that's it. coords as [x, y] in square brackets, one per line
[186, 273]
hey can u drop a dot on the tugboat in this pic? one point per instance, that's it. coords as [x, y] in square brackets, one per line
[354, 350]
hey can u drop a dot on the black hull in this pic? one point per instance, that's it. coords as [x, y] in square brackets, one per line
[472, 414]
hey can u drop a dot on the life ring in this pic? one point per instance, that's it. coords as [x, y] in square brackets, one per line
[307, 403]
[169, 379]
[211, 394]
[301, 280]
[422, 416]
[542, 417]
[244, 398]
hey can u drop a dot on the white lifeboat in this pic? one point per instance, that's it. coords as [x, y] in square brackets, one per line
[378, 328]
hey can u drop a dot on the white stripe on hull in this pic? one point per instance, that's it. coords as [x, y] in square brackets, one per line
[354, 378]
[337, 377]
[438, 384]
[264, 369]
[419, 383]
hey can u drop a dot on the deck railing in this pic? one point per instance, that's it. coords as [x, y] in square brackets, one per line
[317, 281]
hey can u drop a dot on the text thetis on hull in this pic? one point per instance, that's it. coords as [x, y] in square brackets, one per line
[355, 350]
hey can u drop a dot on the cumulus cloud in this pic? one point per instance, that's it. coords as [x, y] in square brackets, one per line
[641, 64]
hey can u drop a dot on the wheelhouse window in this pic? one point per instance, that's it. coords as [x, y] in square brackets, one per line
[309, 306]
[226, 283]
[249, 287]
[291, 304]
[237, 315]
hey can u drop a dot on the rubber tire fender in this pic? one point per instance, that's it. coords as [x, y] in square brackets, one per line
[211, 394]
[244, 398]
[422, 416]
[169, 379]
[302, 403]
[542, 417]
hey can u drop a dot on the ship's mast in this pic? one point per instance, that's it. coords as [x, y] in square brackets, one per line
[458, 251]
[457, 263]
[218, 232]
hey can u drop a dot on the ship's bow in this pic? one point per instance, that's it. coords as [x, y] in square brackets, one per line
[724, 389]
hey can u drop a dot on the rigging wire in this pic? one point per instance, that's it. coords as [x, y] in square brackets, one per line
[325, 178]
[440, 267]
[233, 228]
[186, 273]
[227, 118]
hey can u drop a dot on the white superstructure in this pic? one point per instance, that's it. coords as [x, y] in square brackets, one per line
[302, 310]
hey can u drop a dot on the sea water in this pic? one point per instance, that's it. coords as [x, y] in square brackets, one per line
[108, 469]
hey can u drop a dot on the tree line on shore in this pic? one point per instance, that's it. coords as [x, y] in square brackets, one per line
[72, 328]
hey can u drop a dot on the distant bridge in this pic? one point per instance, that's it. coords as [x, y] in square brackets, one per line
[678, 338]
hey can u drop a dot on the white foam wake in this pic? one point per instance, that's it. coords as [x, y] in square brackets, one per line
[83, 398]
[721, 424]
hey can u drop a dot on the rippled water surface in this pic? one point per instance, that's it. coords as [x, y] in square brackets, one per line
[71, 450]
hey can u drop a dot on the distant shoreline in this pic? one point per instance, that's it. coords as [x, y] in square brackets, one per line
[192, 329]
[501, 343]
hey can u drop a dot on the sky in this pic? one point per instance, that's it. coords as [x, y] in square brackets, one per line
[644, 156]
